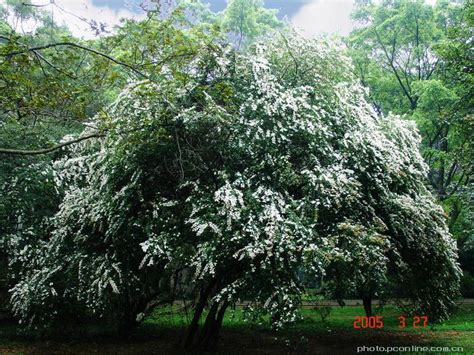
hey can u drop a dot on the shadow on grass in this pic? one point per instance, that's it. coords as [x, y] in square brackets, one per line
[164, 331]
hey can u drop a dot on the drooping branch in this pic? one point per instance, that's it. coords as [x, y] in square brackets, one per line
[35, 5]
[75, 45]
[6, 151]
[59, 70]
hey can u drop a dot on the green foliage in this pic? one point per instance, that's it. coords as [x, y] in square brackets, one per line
[53, 83]
[248, 20]
[394, 47]
[197, 13]
[456, 52]
[417, 60]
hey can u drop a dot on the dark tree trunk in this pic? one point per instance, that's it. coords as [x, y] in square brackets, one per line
[206, 339]
[367, 301]
[194, 325]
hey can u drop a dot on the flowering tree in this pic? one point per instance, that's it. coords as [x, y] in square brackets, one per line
[233, 175]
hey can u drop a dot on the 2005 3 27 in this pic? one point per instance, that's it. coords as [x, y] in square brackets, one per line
[377, 322]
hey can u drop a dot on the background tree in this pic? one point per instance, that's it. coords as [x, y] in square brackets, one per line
[457, 57]
[404, 53]
[249, 20]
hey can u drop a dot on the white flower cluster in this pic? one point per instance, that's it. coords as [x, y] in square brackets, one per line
[248, 173]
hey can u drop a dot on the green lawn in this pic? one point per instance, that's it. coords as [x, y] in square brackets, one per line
[164, 330]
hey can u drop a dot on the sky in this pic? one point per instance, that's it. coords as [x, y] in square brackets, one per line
[312, 17]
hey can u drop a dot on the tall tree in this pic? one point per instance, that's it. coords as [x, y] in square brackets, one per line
[404, 53]
[457, 55]
[249, 20]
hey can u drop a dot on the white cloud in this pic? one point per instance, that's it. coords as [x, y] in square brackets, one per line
[70, 13]
[325, 17]
[319, 17]
[315, 17]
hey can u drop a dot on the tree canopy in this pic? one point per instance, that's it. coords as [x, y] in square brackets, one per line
[235, 173]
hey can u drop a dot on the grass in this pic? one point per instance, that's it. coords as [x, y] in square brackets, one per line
[337, 329]
[164, 330]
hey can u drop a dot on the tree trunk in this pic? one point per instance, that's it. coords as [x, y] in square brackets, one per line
[367, 301]
[194, 325]
[206, 340]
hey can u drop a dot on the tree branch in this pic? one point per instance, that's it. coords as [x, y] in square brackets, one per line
[392, 66]
[34, 5]
[6, 151]
[72, 44]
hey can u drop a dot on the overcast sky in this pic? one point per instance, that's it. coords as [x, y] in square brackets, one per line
[313, 17]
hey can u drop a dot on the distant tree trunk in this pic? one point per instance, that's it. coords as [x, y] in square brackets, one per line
[129, 309]
[367, 301]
